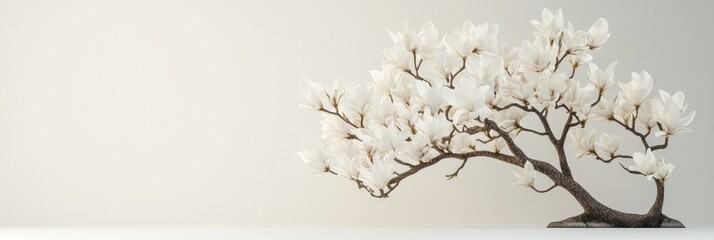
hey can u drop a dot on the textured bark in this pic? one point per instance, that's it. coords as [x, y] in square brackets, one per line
[594, 211]
[598, 215]
[585, 221]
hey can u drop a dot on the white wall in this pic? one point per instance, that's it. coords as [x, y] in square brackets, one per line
[185, 112]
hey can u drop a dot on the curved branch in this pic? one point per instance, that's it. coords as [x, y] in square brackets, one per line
[661, 146]
[532, 131]
[630, 171]
[557, 143]
[659, 200]
[509, 141]
[337, 113]
[394, 182]
[456, 173]
[643, 136]
[453, 75]
[516, 105]
[415, 74]
[404, 163]
[599, 97]
[612, 157]
[546, 190]
[558, 61]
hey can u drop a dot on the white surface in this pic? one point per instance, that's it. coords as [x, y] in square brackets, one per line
[214, 233]
[185, 112]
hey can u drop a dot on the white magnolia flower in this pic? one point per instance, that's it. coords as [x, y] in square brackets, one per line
[646, 115]
[527, 177]
[636, 91]
[583, 142]
[416, 151]
[406, 38]
[672, 120]
[550, 26]
[509, 56]
[347, 158]
[648, 165]
[578, 98]
[573, 42]
[377, 176]
[431, 96]
[315, 162]
[551, 88]
[537, 56]
[602, 79]
[383, 113]
[423, 42]
[473, 39]
[386, 139]
[623, 111]
[359, 99]
[462, 143]
[334, 129]
[510, 119]
[461, 43]
[580, 59]
[664, 170]
[605, 109]
[429, 40]
[485, 39]
[608, 144]
[499, 144]
[677, 99]
[598, 34]
[433, 128]
[386, 81]
[669, 113]
[398, 57]
[315, 95]
[487, 71]
[406, 116]
[644, 163]
[520, 87]
[405, 92]
[468, 100]
[445, 64]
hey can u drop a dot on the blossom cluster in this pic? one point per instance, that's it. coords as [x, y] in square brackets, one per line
[434, 93]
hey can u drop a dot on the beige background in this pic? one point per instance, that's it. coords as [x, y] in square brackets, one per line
[185, 112]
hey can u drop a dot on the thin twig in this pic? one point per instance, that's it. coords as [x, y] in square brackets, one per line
[546, 190]
[456, 173]
[630, 171]
[337, 113]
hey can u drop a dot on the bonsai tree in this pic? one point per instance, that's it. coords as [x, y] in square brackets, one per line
[464, 96]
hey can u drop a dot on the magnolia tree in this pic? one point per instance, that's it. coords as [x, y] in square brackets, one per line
[464, 95]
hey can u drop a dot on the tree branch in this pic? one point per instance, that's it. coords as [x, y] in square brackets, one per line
[415, 74]
[337, 113]
[558, 61]
[557, 143]
[532, 131]
[453, 75]
[394, 182]
[456, 173]
[404, 163]
[546, 190]
[663, 145]
[642, 136]
[613, 157]
[631, 172]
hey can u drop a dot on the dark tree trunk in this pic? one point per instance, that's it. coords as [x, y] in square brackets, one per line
[594, 213]
[598, 215]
